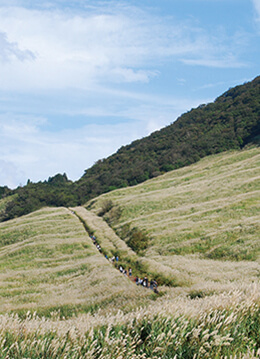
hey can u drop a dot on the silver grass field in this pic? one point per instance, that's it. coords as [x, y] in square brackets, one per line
[61, 298]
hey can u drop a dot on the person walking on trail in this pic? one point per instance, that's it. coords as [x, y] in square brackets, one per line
[155, 287]
[130, 272]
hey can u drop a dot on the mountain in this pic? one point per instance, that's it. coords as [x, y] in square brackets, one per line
[198, 226]
[60, 297]
[230, 122]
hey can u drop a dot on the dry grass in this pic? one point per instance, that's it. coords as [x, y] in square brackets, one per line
[166, 306]
[47, 260]
[220, 326]
[204, 223]
[112, 245]
[105, 235]
[211, 208]
[197, 217]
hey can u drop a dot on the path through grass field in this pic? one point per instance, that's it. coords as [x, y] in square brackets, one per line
[211, 208]
[48, 262]
[203, 221]
[203, 227]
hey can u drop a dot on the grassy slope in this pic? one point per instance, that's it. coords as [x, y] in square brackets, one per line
[198, 208]
[48, 261]
[113, 245]
[197, 215]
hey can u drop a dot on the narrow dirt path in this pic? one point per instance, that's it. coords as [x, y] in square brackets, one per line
[107, 242]
[107, 238]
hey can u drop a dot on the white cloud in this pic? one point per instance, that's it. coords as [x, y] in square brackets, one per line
[107, 44]
[214, 62]
[10, 175]
[256, 4]
[90, 56]
[76, 50]
[29, 152]
[10, 51]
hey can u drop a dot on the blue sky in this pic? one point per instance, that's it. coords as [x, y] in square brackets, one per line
[79, 79]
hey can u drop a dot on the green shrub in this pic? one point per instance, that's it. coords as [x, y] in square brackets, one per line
[107, 205]
[138, 240]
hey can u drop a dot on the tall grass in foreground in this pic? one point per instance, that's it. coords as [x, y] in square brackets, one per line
[226, 326]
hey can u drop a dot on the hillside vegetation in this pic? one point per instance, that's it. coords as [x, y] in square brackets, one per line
[60, 288]
[231, 122]
[200, 225]
[48, 262]
[225, 326]
[194, 229]
[195, 216]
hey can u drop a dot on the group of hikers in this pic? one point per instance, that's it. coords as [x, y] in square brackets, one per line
[145, 283]
[96, 244]
[139, 281]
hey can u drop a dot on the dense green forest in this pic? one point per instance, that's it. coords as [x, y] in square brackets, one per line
[230, 122]
[5, 191]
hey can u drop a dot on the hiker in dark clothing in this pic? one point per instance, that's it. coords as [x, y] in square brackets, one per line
[155, 287]
[151, 284]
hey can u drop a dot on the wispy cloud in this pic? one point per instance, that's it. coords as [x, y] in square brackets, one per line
[30, 150]
[256, 4]
[27, 149]
[10, 51]
[108, 44]
[214, 62]
[81, 78]
[10, 174]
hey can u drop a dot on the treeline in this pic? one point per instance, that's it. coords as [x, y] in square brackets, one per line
[57, 191]
[231, 122]
[5, 191]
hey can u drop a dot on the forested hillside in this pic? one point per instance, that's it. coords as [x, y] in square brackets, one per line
[231, 122]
